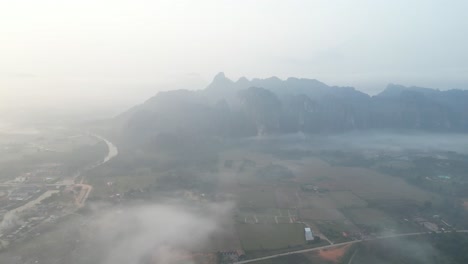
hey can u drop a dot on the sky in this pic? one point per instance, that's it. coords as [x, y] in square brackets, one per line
[116, 53]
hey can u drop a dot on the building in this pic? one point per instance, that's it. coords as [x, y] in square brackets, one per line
[308, 234]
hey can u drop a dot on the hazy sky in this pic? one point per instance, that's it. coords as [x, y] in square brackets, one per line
[122, 51]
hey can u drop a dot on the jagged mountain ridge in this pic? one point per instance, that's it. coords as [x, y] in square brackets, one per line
[254, 107]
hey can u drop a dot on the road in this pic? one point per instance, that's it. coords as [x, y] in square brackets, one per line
[336, 245]
[112, 152]
[352, 257]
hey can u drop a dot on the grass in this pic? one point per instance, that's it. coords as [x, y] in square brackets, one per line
[270, 236]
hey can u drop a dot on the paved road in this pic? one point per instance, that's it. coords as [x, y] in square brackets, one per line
[113, 151]
[86, 189]
[336, 245]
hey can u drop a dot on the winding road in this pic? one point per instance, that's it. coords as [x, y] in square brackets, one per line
[338, 245]
[86, 188]
[113, 150]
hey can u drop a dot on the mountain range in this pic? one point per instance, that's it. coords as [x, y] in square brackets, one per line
[245, 108]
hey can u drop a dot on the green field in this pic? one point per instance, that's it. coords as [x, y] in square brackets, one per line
[270, 236]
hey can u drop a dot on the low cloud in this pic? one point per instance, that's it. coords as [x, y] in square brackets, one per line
[160, 233]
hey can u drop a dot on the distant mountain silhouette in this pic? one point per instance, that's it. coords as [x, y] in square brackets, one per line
[244, 108]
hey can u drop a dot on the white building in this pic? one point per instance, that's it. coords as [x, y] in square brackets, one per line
[308, 234]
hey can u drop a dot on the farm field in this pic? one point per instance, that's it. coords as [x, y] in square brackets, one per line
[323, 213]
[258, 197]
[286, 197]
[316, 200]
[345, 199]
[266, 215]
[364, 183]
[270, 236]
[370, 217]
[336, 209]
[349, 186]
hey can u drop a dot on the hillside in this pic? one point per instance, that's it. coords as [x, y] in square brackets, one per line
[244, 108]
